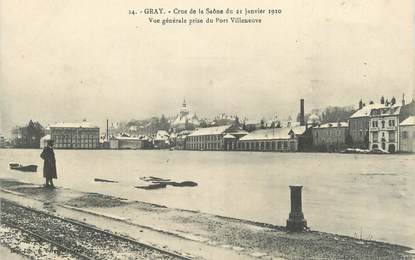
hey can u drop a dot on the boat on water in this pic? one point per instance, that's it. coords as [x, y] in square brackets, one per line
[23, 168]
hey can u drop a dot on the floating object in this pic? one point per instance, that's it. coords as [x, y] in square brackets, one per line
[104, 180]
[19, 167]
[182, 184]
[158, 183]
[153, 179]
[152, 186]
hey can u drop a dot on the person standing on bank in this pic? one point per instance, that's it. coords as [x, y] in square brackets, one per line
[49, 164]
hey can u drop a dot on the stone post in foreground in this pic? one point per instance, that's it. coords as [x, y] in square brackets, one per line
[296, 221]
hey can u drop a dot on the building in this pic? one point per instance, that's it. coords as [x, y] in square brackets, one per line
[359, 125]
[384, 128]
[133, 143]
[161, 140]
[230, 140]
[75, 135]
[180, 139]
[407, 135]
[285, 139]
[211, 138]
[185, 120]
[330, 136]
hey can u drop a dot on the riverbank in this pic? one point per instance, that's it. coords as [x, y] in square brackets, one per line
[195, 233]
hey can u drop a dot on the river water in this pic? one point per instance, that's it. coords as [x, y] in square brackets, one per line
[368, 196]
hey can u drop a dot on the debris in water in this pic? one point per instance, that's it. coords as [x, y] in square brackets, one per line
[157, 183]
[152, 186]
[104, 180]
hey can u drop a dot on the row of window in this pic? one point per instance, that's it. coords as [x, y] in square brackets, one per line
[204, 138]
[75, 136]
[74, 131]
[76, 146]
[243, 145]
[391, 137]
[329, 133]
[75, 139]
[263, 145]
[199, 146]
[391, 123]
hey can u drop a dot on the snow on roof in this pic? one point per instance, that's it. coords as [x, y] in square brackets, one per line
[252, 122]
[216, 130]
[162, 135]
[334, 125]
[229, 136]
[239, 132]
[74, 125]
[128, 138]
[298, 130]
[387, 111]
[273, 133]
[188, 118]
[365, 111]
[409, 121]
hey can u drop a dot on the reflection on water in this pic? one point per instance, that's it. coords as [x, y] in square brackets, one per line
[371, 196]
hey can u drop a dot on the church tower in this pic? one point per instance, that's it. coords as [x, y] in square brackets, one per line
[184, 111]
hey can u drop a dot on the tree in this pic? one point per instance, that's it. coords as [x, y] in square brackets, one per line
[28, 136]
[237, 123]
[163, 123]
[336, 114]
[203, 123]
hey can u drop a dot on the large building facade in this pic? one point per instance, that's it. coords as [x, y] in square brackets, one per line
[75, 135]
[330, 136]
[359, 125]
[384, 128]
[212, 138]
[272, 139]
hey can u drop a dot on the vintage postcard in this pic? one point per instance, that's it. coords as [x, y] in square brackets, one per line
[207, 129]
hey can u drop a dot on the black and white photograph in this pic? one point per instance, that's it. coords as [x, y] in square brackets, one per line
[270, 129]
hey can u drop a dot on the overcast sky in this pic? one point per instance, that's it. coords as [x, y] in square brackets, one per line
[69, 60]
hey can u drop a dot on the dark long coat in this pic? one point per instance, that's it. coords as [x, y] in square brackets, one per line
[49, 164]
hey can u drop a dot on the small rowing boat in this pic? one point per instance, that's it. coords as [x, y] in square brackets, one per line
[23, 168]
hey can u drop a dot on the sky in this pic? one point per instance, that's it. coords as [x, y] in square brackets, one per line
[63, 61]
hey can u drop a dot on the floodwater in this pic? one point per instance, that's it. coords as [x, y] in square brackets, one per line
[365, 196]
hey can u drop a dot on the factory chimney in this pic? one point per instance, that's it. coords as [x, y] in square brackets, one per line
[302, 119]
[107, 132]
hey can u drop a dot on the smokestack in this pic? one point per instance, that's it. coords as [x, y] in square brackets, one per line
[302, 121]
[107, 132]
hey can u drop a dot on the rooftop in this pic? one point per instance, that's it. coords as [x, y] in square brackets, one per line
[74, 125]
[409, 121]
[127, 138]
[273, 133]
[365, 111]
[334, 125]
[216, 130]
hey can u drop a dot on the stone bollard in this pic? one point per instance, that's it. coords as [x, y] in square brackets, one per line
[296, 221]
